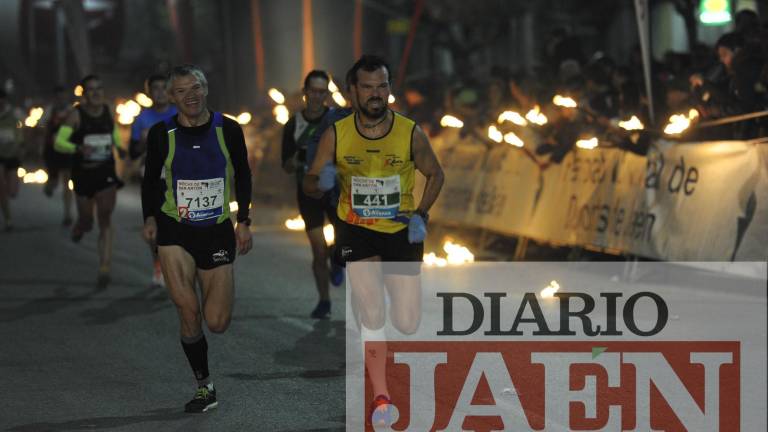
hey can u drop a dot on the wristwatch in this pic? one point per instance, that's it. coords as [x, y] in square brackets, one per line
[424, 215]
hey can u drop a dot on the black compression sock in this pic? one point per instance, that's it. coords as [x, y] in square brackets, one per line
[196, 349]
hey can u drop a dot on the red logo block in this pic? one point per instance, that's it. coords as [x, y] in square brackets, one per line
[579, 386]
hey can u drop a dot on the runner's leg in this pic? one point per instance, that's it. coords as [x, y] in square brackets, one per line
[218, 296]
[105, 205]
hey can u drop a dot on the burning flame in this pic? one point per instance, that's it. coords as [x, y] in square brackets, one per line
[432, 260]
[78, 90]
[535, 116]
[633, 123]
[495, 134]
[35, 114]
[391, 99]
[276, 96]
[281, 114]
[71, 185]
[451, 121]
[550, 290]
[296, 224]
[513, 117]
[587, 144]
[563, 101]
[143, 100]
[512, 139]
[332, 87]
[457, 254]
[328, 233]
[339, 99]
[678, 123]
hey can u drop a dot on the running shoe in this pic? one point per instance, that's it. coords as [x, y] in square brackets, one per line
[337, 274]
[380, 412]
[205, 399]
[322, 310]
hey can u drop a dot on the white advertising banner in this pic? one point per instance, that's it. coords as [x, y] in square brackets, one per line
[688, 202]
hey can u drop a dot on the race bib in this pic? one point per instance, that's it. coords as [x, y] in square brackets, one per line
[376, 197]
[100, 146]
[200, 199]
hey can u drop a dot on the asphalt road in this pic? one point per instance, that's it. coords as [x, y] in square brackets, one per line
[76, 358]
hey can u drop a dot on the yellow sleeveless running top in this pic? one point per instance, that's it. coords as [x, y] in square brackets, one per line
[376, 175]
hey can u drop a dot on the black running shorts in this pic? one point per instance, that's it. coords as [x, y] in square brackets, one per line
[210, 246]
[354, 243]
[89, 181]
[315, 211]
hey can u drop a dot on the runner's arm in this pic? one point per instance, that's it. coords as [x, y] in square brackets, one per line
[426, 162]
[325, 152]
[151, 185]
[288, 148]
[238, 153]
[62, 144]
[117, 141]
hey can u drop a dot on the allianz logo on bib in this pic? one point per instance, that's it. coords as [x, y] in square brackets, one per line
[221, 256]
[377, 213]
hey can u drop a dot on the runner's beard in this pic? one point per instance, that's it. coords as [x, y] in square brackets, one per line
[375, 113]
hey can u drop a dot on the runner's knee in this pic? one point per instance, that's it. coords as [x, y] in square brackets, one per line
[218, 323]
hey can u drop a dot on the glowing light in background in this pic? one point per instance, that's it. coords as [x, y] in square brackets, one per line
[276, 96]
[678, 123]
[550, 290]
[244, 118]
[127, 112]
[535, 116]
[451, 121]
[35, 114]
[37, 177]
[143, 100]
[512, 139]
[457, 254]
[295, 224]
[633, 123]
[339, 99]
[328, 233]
[564, 102]
[432, 260]
[513, 117]
[587, 144]
[495, 134]
[281, 114]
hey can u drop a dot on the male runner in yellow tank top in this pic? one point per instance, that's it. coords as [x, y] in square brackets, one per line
[375, 154]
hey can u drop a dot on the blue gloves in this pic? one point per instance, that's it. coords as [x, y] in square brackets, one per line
[417, 229]
[326, 180]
